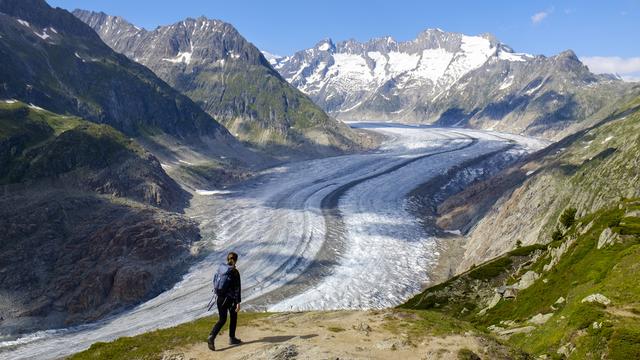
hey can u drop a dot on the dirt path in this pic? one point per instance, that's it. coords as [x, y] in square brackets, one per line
[333, 335]
[622, 312]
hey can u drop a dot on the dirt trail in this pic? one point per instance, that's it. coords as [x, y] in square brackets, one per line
[336, 335]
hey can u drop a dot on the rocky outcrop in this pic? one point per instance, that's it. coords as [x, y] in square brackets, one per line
[569, 289]
[597, 298]
[608, 237]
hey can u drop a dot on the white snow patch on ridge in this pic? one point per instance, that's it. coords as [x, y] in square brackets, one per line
[182, 57]
[433, 64]
[43, 36]
[213, 192]
[324, 47]
[504, 55]
[506, 83]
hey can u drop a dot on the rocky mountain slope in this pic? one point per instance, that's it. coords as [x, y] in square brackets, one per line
[589, 170]
[574, 298]
[86, 221]
[209, 61]
[451, 79]
[53, 60]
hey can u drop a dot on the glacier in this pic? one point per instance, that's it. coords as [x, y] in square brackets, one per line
[332, 233]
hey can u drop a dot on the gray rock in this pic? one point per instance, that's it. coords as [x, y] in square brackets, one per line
[527, 280]
[540, 319]
[597, 298]
[283, 352]
[608, 237]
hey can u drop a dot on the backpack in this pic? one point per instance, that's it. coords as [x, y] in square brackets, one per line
[222, 279]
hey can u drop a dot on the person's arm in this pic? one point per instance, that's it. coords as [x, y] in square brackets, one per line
[238, 291]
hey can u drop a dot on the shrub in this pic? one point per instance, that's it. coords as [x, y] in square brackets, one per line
[568, 217]
[466, 354]
[557, 235]
[491, 269]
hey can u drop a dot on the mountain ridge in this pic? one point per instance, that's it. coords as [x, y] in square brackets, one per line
[210, 61]
[452, 79]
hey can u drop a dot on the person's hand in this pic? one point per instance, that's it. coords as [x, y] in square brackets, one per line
[237, 307]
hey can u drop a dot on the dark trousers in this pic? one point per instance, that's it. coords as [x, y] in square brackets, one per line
[225, 304]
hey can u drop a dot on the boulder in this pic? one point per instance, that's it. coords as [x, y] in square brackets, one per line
[608, 237]
[520, 330]
[632, 213]
[540, 319]
[597, 298]
[527, 280]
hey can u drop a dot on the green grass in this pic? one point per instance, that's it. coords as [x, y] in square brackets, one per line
[421, 323]
[625, 343]
[491, 269]
[151, 345]
[581, 271]
[37, 143]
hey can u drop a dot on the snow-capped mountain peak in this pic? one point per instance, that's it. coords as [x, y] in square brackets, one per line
[444, 77]
[347, 73]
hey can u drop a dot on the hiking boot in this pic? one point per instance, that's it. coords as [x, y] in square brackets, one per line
[210, 342]
[234, 341]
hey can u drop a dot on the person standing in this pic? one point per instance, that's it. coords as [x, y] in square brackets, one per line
[227, 287]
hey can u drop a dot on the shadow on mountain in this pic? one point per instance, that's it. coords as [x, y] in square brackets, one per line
[69, 257]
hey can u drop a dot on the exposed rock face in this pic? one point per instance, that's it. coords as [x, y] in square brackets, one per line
[587, 171]
[608, 237]
[69, 257]
[527, 280]
[209, 61]
[84, 221]
[451, 79]
[540, 319]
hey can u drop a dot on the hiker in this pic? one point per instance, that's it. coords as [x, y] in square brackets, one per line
[227, 287]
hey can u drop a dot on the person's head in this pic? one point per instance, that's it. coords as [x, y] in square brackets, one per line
[232, 258]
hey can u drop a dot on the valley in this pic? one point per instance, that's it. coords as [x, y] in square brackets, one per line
[302, 229]
[435, 195]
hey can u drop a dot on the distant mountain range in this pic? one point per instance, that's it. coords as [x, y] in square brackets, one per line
[451, 79]
[209, 61]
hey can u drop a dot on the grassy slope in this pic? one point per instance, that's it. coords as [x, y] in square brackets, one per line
[261, 108]
[583, 270]
[35, 140]
[594, 173]
[151, 345]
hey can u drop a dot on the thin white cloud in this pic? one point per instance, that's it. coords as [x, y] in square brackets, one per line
[627, 68]
[538, 17]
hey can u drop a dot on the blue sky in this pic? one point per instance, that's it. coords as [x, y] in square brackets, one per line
[603, 33]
